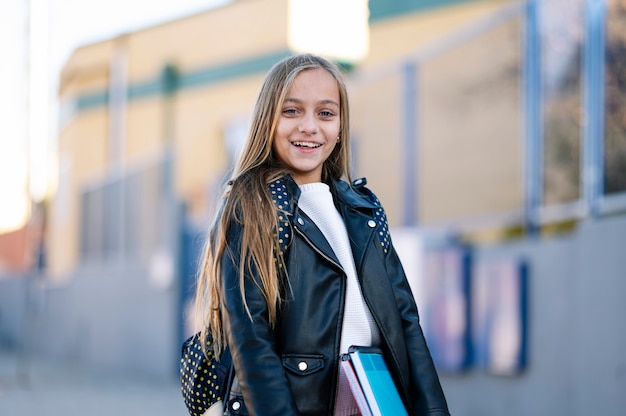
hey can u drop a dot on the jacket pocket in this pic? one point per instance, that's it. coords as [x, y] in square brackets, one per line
[308, 379]
[303, 364]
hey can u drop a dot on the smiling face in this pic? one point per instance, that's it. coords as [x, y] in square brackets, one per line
[308, 125]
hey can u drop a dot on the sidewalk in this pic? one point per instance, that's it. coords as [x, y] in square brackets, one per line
[39, 388]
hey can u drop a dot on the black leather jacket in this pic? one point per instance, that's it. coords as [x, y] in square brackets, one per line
[292, 369]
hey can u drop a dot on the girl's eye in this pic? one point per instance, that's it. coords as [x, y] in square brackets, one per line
[326, 114]
[289, 111]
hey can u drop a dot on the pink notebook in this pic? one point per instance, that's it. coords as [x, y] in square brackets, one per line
[355, 386]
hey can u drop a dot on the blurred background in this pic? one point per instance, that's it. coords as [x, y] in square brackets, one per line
[493, 131]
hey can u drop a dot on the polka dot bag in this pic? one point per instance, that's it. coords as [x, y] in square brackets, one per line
[204, 380]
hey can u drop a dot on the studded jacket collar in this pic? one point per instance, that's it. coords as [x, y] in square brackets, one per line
[285, 194]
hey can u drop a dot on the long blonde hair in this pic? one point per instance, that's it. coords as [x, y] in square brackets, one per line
[247, 201]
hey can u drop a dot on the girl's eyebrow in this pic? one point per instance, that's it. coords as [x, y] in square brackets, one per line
[322, 102]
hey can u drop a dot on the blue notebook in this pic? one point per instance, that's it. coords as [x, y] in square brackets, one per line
[378, 386]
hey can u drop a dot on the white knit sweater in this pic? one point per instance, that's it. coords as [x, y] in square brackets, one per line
[358, 326]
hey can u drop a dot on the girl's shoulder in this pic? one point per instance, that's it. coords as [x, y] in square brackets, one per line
[359, 186]
[360, 194]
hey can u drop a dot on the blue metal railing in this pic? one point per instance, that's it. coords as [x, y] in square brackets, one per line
[533, 111]
[410, 143]
[592, 172]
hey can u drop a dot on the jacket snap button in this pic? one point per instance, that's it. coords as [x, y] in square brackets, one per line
[300, 221]
[371, 223]
[236, 405]
[302, 366]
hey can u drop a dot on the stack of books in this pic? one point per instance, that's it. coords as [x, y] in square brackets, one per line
[370, 381]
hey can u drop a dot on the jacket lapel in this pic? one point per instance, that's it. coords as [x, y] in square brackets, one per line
[314, 236]
[303, 225]
[357, 213]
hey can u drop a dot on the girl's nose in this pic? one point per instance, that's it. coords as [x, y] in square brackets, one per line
[308, 124]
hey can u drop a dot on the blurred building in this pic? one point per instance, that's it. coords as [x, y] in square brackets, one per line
[183, 91]
[21, 250]
[481, 119]
[13, 246]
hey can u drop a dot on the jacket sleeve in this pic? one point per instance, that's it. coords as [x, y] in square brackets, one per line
[257, 363]
[426, 392]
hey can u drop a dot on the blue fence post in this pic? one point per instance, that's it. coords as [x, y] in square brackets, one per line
[592, 169]
[410, 143]
[533, 108]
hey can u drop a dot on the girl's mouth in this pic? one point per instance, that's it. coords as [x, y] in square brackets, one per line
[308, 145]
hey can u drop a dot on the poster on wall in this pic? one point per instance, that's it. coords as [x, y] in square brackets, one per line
[499, 315]
[444, 312]
[438, 268]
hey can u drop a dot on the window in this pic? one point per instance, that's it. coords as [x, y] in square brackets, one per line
[561, 34]
[615, 98]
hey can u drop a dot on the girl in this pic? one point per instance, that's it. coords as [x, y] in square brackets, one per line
[299, 264]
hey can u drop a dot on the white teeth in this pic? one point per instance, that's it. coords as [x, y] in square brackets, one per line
[306, 144]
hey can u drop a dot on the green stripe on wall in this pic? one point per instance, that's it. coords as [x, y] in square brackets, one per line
[145, 89]
[385, 9]
[165, 83]
[91, 100]
[231, 70]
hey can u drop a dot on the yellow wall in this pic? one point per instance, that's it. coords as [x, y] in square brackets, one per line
[467, 160]
[391, 39]
[471, 127]
[86, 66]
[238, 30]
[377, 133]
[144, 129]
[201, 116]
[82, 147]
